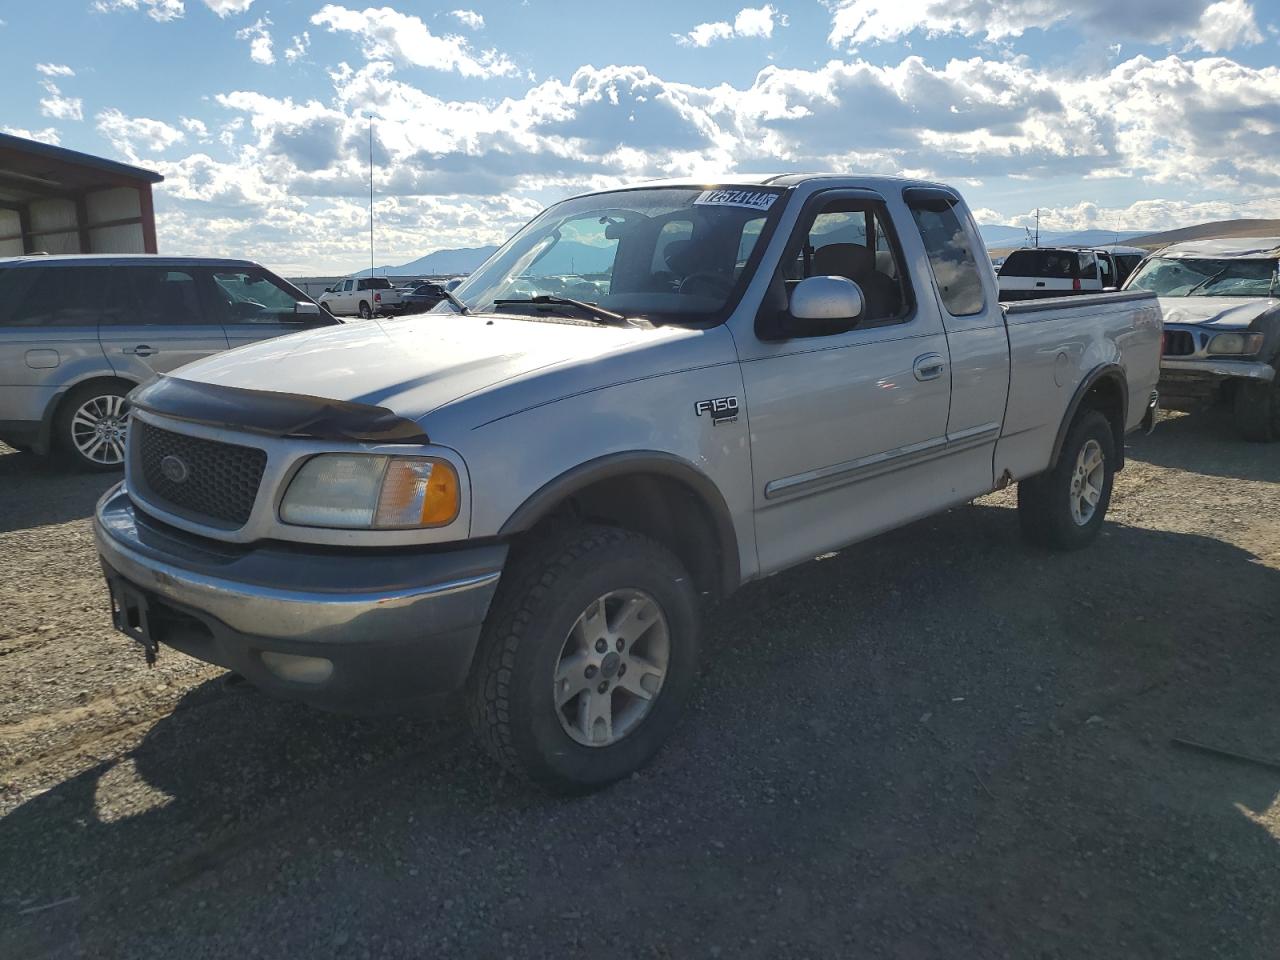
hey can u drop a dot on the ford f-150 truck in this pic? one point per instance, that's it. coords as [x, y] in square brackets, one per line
[1220, 300]
[530, 495]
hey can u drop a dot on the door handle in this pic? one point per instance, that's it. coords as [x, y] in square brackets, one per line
[1039, 283]
[929, 367]
[141, 350]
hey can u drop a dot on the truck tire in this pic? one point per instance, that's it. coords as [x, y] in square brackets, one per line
[1257, 410]
[1064, 507]
[587, 658]
[365, 310]
[91, 425]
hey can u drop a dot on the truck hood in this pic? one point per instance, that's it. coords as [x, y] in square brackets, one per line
[414, 365]
[1222, 313]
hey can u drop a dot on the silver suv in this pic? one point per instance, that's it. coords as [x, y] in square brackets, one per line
[77, 333]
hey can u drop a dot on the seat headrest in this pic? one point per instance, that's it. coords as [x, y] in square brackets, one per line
[851, 260]
[682, 257]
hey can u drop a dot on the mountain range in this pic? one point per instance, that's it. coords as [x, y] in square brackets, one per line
[581, 258]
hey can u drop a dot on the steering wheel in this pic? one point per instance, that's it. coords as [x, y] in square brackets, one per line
[720, 284]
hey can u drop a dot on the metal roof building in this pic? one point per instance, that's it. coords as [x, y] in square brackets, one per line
[54, 200]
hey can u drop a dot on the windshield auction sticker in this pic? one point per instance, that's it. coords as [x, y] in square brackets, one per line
[755, 199]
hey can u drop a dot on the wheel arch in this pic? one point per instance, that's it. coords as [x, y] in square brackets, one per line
[653, 493]
[1105, 389]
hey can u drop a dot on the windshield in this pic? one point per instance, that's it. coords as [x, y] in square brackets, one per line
[665, 254]
[1170, 277]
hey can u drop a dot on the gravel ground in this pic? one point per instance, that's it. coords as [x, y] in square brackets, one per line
[937, 744]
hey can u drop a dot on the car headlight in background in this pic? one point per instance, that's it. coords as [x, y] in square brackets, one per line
[363, 491]
[1240, 344]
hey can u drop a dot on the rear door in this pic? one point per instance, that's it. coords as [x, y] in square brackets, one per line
[164, 323]
[255, 305]
[48, 334]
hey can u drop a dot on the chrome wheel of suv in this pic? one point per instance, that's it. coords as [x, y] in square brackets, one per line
[99, 427]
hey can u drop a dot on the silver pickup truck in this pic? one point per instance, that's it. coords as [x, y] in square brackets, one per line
[645, 399]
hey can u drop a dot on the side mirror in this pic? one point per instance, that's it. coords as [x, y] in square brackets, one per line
[822, 300]
[302, 310]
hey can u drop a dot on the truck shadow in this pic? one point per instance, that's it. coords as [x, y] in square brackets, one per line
[1206, 443]
[869, 716]
[37, 492]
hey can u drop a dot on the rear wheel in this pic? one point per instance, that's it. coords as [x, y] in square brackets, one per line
[1064, 507]
[1257, 409]
[587, 659]
[91, 427]
[365, 311]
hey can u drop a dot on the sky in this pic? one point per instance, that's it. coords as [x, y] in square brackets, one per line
[1113, 114]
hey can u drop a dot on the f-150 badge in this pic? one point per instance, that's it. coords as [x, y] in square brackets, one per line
[720, 409]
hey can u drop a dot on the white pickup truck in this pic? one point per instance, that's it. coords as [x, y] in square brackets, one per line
[532, 500]
[361, 297]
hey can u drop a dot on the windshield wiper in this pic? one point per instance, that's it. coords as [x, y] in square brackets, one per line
[462, 307]
[595, 312]
[1208, 280]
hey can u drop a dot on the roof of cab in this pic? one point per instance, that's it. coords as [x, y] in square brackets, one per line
[119, 260]
[1225, 248]
[776, 180]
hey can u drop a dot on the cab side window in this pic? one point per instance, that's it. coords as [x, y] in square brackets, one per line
[951, 258]
[1088, 267]
[853, 239]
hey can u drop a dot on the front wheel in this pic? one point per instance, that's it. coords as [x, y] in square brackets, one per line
[587, 658]
[1257, 409]
[1065, 506]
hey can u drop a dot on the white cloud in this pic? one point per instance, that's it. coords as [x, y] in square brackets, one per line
[469, 19]
[388, 34]
[298, 48]
[58, 106]
[197, 128]
[857, 22]
[160, 10]
[47, 135]
[55, 70]
[749, 22]
[132, 136]
[1226, 25]
[260, 44]
[1146, 215]
[225, 8]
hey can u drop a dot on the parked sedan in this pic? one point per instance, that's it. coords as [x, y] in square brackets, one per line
[422, 297]
[77, 333]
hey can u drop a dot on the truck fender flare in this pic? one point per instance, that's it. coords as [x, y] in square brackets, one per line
[1104, 371]
[551, 494]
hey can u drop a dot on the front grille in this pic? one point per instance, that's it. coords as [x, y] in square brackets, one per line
[221, 479]
[1178, 343]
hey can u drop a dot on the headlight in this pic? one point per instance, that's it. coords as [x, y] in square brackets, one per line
[1240, 344]
[359, 491]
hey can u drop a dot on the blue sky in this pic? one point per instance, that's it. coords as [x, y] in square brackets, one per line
[1141, 114]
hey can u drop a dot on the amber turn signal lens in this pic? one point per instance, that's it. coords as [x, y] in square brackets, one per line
[418, 492]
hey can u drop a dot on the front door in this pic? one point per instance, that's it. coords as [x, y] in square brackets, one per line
[844, 427]
[254, 306]
[164, 323]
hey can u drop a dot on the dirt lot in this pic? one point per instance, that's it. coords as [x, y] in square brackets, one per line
[938, 744]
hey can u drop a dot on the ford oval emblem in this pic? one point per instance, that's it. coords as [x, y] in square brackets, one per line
[174, 469]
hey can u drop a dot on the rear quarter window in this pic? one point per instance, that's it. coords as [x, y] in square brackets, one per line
[951, 257]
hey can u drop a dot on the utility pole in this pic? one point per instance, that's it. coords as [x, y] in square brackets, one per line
[372, 269]
[371, 208]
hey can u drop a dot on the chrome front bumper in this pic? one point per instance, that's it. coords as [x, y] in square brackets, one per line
[1246, 369]
[396, 625]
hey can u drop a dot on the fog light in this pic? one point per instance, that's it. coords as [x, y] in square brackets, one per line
[290, 666]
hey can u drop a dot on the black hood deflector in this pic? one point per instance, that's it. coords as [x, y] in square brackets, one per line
[274, 414]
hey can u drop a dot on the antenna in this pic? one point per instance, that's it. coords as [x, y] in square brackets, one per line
[372, 268]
